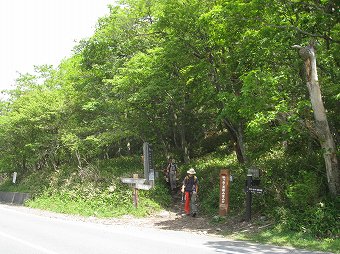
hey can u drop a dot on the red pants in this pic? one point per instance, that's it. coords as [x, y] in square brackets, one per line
[187, 202]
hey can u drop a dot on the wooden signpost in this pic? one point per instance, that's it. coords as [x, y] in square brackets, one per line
[137, 184]
[224, 191]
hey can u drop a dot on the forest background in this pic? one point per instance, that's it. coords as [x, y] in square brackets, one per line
[213, 84]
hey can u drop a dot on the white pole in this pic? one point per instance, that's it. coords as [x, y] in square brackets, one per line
[14, 177]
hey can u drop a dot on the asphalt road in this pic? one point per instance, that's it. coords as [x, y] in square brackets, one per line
[27, 233]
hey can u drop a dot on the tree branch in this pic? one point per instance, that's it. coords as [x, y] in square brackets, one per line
[324, 36]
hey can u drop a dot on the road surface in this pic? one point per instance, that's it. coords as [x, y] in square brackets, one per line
[22, 232]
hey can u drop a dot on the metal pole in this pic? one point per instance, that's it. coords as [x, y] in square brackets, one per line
[248, 197]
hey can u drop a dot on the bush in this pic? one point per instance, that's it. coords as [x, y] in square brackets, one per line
[320, 220]
[98, 191]
[305, 191]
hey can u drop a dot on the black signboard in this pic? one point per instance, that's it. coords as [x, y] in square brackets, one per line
[255, 190]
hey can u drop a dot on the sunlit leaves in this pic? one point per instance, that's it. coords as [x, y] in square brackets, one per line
[172, 70]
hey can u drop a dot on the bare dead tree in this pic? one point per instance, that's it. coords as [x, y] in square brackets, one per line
[323, 132]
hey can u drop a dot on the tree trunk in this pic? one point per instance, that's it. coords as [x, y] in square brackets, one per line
[179, 132]
[184, 146]
[236, 133]
[322, 128]
[235, 130]
[182, 133]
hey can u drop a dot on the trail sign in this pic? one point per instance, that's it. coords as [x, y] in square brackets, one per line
[224, 192]
[133, 180]
[149, 171]
[137, 184]
[255, 190]
[142, 186]
[251, 187]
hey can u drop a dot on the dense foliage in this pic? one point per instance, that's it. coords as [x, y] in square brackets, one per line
[193, 78]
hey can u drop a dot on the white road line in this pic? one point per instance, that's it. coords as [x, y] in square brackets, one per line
[27, 243]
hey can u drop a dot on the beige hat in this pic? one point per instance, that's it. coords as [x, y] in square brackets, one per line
[191, 171]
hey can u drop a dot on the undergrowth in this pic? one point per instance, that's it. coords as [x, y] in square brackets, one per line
[301, 217]
[94, 190]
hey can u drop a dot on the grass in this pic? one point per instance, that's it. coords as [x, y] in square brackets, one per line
[95, 190]
[104, 205]
[299, 240]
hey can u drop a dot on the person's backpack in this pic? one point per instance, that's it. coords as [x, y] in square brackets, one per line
[173, 167]
[186, 181]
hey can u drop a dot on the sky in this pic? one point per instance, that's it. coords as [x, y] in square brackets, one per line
[37, 32]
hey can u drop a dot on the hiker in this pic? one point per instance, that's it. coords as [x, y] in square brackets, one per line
[172, 173]
[190, 188]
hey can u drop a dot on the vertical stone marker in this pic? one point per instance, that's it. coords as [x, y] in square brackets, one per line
[149, 171]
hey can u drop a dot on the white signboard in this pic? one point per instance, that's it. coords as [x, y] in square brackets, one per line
[133, 180]
[152, 175]
[143, 186]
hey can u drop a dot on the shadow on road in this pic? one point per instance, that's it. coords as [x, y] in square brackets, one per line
[232, 247]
